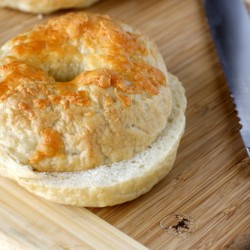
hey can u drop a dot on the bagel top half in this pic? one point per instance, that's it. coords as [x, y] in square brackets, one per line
[78, 92]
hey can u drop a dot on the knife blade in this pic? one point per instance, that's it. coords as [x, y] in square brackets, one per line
[230, 27]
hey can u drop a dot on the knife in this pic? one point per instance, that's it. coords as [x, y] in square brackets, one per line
[230, 27]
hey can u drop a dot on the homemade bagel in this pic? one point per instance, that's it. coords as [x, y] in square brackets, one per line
[93, 118]
[45, 6]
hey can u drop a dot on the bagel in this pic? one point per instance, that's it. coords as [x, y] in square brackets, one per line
[93, 117]
[45, 6]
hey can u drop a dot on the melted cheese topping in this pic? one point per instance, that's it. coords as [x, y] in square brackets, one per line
[77, 60]
[50, 145]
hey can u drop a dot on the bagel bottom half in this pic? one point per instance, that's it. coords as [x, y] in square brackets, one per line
[119, 182]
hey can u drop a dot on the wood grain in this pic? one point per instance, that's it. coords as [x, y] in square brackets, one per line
[28, 222]
[210, 180]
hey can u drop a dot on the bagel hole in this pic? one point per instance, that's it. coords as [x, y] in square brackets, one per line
[65, 73]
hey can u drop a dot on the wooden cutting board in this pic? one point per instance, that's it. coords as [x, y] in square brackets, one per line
[209, 183]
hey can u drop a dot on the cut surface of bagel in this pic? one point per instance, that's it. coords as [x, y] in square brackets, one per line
[93, 117]
[45, 6]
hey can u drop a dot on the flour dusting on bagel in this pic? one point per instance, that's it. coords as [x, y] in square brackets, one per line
[80, 92]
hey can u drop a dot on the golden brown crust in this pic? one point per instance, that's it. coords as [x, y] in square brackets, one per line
[80, 91]
[50, 145]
